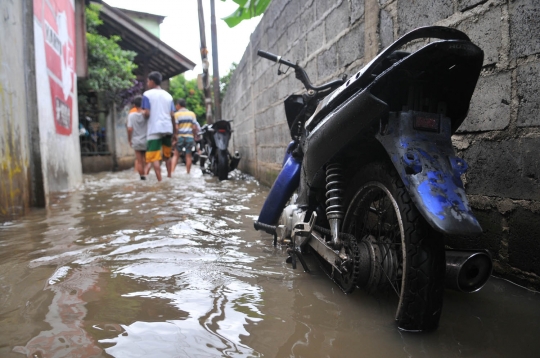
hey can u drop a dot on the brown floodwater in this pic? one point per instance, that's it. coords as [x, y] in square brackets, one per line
[127, 268]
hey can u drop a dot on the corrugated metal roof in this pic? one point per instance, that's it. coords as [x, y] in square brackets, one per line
[152, 53]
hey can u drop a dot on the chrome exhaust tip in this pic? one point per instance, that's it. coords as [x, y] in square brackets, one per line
[467, 271]
[234, 161]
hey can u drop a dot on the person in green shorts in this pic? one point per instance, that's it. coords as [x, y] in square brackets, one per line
[158, 109]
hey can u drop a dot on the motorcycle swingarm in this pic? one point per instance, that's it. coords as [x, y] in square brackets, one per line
[420, 147]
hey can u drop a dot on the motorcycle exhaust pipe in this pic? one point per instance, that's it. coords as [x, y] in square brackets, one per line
[467, 271]
[235, 159]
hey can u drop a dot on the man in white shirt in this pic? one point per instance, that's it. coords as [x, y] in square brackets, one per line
[158, 109]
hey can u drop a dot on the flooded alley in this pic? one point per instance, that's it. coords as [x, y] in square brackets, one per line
[130, 268]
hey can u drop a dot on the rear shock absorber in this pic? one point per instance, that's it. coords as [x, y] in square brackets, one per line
[334, 207]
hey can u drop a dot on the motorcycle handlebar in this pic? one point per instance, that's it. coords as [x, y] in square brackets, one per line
[300, 72]
[275, 58]
[268, 55]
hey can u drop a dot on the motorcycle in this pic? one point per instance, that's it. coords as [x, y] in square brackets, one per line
[370, 182]
[194, 153]
[216, 158]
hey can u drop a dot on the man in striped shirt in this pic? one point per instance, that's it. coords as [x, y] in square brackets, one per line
[186, 122]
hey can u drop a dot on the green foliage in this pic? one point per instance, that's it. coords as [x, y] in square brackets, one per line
[110, 68]
[179, 87]
[246, 10]
[92, 17]
[224, 81]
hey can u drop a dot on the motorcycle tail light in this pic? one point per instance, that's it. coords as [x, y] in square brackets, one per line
[222, 131]
[426, 122]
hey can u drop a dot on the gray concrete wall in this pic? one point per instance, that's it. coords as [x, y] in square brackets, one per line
[121, 156]
[500, 139]
[125, 155]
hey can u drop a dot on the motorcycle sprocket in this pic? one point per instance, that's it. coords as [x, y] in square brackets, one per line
[347, 281]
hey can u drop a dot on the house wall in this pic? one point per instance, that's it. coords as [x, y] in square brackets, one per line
[124, 154]
[149, 24]
[121, 156]
[500, 139]
[15, 190]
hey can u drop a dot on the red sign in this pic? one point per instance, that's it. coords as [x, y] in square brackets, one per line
[57, 20]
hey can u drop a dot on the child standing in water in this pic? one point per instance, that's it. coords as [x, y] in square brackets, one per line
[137, 126]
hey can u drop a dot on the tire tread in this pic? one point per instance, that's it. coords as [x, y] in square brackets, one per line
[425, 260]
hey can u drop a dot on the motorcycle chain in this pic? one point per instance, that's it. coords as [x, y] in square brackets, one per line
[350, 241]
[352, 245]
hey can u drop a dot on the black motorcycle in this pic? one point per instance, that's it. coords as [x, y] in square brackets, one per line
[370, 182]
[215, 157]
[194, 153]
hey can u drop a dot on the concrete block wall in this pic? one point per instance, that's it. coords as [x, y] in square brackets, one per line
[500, 139]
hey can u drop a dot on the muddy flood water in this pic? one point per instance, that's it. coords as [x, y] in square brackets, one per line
[126, 268]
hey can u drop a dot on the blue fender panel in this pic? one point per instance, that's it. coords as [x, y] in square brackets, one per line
[430, 170]
[283, 188]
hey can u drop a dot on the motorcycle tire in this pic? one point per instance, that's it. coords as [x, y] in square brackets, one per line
[204, 160]
[223, 165]
[407, 256]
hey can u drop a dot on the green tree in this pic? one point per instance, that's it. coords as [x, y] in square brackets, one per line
[224, 81]
[179, 87]
[110, 68]
[246, 10]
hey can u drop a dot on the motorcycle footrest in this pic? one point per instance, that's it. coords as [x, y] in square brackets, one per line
[269, 229]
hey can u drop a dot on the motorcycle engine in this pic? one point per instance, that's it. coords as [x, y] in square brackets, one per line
[290, 216]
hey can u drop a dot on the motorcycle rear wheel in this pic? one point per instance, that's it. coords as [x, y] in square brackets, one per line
[223, 165]
[407, 256]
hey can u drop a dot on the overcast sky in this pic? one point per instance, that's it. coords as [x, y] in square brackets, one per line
[180, 29]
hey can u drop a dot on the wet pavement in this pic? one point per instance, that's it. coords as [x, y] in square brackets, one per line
[126, 268]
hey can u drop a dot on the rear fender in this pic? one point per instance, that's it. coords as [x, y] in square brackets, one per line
[222, 140]
[430, 170]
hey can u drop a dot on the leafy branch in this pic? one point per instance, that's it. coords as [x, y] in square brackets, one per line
[247, 9]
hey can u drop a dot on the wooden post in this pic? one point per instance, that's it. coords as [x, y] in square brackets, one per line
[215, 63]
[205, 65]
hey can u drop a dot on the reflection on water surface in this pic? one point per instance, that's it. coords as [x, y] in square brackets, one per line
[126, 268]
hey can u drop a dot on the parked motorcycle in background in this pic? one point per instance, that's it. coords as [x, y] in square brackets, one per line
[215, 157]
[195, 153]
[370, 182]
